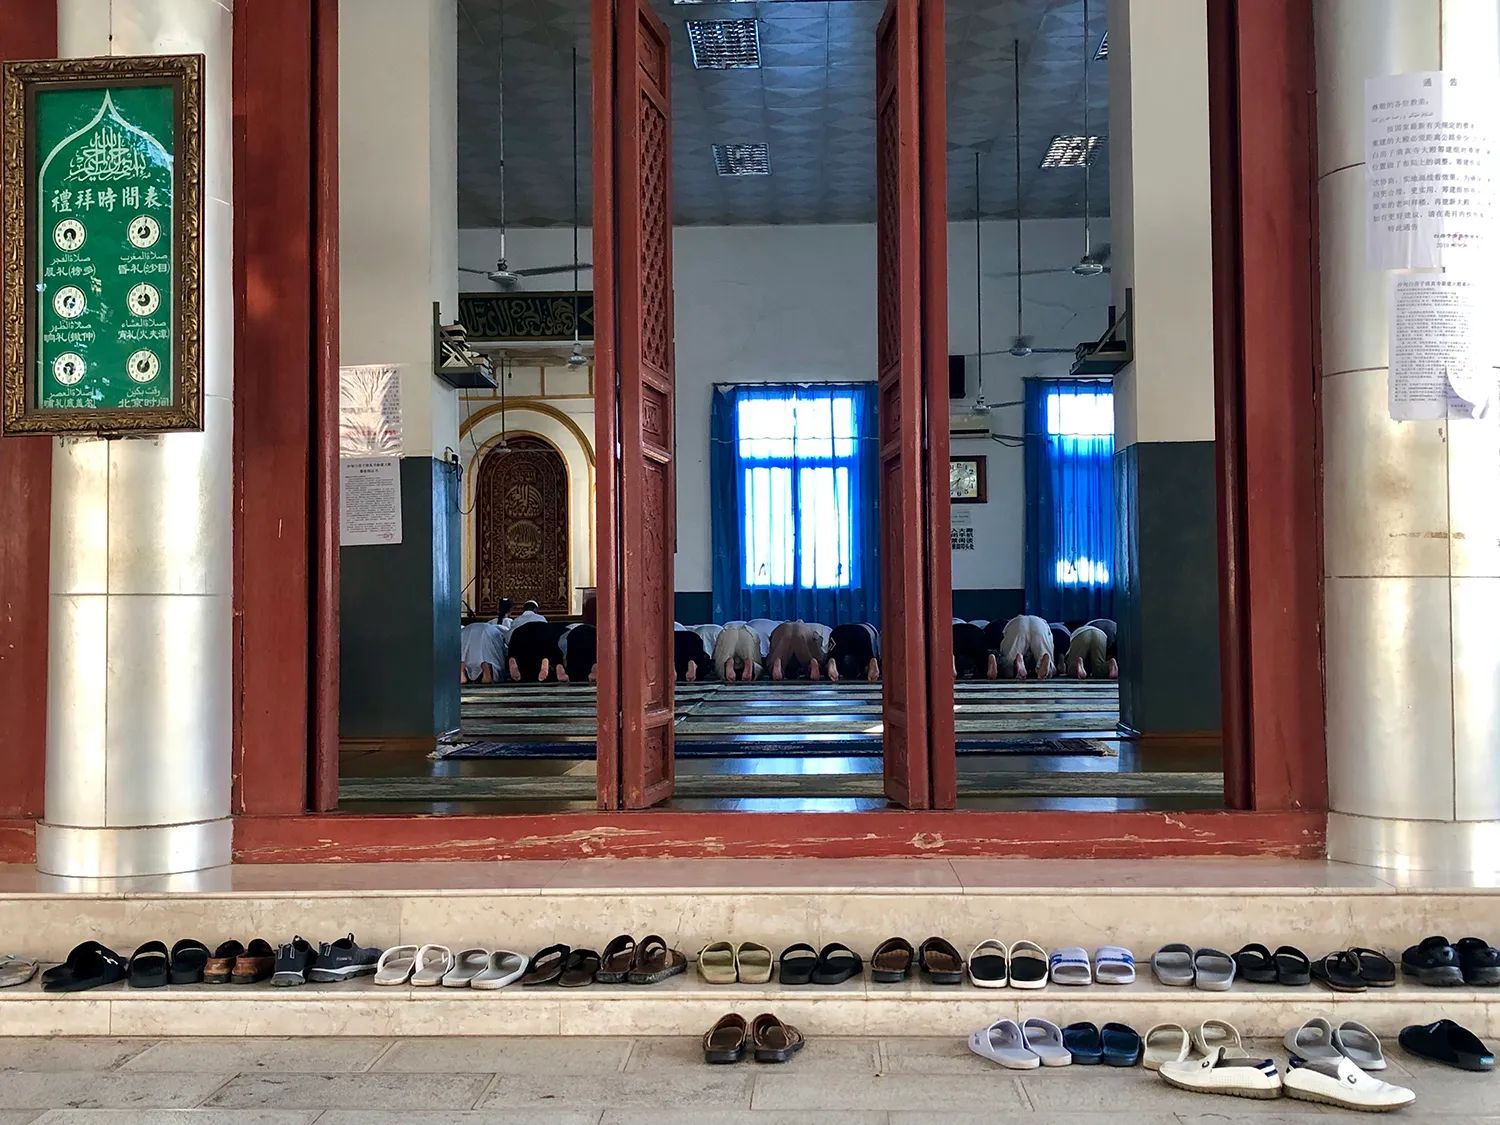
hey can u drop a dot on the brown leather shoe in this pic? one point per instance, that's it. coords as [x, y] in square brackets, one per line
[725, 1041]
[773, 1040]
[257, 963]
[220, 966]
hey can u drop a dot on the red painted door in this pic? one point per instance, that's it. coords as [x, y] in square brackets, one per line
[634, 404]
[916, 583]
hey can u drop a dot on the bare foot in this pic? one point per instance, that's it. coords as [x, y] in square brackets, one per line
[515, 669]
[776, 671]
[1114, 668]
[814, 672]
[463, 673]
[992, 667]
[594, 674]
[487, 674]
[752, 672]
[728, 676]
[692, 672]
[1078, 672]
[872, 673]
[1018, 668]
[562, 674]
[1044, 667]
[546, 670]
[833, 670]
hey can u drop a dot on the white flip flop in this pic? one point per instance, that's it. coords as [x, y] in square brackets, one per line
[1045, 1040]
[1114, 964]
[396, 964]
[504, 968]
[434, 962]
[1003, 1042]
[1166, 1043]
[1211, 1034]
[1070, 965]
[467, 965]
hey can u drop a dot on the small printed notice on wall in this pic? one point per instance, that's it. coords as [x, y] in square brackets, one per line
[370, 411]
[1430, 169]
[1441, 354]
[369, 501]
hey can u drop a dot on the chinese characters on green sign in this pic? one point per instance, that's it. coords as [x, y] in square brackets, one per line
[109, 285]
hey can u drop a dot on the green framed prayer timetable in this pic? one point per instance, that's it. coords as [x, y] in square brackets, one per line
[101, 245]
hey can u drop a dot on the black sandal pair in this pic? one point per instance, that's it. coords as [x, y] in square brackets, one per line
[89, 965]
[1354, 970]
[650, 962]
[937, 959]
[770, 1040]
[1438, 964]
[1288, 965]
[562, 966]
[833, 964]
[151, 966]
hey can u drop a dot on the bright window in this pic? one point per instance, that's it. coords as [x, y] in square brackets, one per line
[798, 455]
[1081, 440]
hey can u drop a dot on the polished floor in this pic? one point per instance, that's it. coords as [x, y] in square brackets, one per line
[641, 1081]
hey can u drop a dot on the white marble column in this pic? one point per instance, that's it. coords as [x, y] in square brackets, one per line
[1411, 519]
[139, 679]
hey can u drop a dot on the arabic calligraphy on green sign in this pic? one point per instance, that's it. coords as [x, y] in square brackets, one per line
[104, 238]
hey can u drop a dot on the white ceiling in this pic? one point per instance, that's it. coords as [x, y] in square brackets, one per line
[811, 101]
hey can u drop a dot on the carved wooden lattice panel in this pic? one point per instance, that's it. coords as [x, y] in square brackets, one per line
[656, 233]
[521, 527]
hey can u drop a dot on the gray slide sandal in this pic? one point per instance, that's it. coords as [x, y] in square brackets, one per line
[1173, 965]
[1215, 970]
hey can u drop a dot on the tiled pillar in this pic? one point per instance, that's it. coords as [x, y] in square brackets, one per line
[138, 693]
[1411, 517]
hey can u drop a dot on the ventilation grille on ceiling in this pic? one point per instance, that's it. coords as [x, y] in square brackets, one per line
[1071, 151]
[724, 44]
[742, 160]
[1103, 51]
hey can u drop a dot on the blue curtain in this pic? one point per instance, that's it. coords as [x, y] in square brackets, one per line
[795, 493]
[1070, 507]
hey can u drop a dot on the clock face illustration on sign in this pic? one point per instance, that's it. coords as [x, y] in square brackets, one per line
[68, 368]
[69, 235]
[144, 299]
[144, 231]
[69, 302]
[144, 366]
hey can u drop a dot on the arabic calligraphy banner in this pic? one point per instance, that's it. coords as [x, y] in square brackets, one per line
[521, 317]
[101, 273]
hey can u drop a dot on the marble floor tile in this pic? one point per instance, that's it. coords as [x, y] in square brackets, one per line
[459, 1117]
[727, 876]
[889, 1092]
[278, 1056]
[178, 1117]
[849, 1056]
[540, 1056]
[112, 1090]
[71, 1054]
[18, 1117]
[511, 877]
[1102, 1089]
[924, 1117]
[708, 1088]
[747, 1117]
[1308, 876]
[931, 1056]
[350, 1091]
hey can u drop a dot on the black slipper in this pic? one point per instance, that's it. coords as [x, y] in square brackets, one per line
[1122, 1044]
[1434, 963]
[1293, 967]
[836, 964]
[1375, 968]
[1026, 968]
[1084, 1043]
[1446, 1042]
[579, 968]
[148, 966]
[941, 963]
[1340, 972]
[1479, 961]
[546, 966]
[88, 966]
[1255, 964]
[189, 959]
[797, 963]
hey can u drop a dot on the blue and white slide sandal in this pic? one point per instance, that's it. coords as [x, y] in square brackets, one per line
[1114, 964]
[1070, 965]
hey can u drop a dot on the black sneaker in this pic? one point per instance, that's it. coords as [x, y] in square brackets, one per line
[292, 962]
[342, 960]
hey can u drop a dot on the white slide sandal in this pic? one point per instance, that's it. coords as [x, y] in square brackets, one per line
[1114, 964]
[396, 964]
[504, 968]
[1028, 965]
[1166, 1043]
[989, 964]
[1070, 965]
[434, 962]
[1045, 1041]
[1217, 1033]
[1003, 1042]
[1359, 1045]
[1312, 1041]
[467, 965]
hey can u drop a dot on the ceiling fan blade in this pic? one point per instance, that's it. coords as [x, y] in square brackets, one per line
[543, 271]
[471, 269]
[1053, 351]
[1037, 273]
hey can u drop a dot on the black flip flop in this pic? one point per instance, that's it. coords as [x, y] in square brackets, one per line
[1122, 1044]
[189, 959]
[1293, 967]
[619, 955]
[940, 962]
[836, 964]
[1375, 968]
[148, 966]
[90, 965]
[1448, 1043]
[892, 961]
[1340, 972]
[579, 968]
[798, 969]
[1479, 961]
[1255, 964]
[1434, 963]
[546, 966]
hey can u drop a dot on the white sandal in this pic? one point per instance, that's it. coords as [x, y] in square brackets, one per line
[1217, 1033]
[434, 962]
[467, 965]
[396, 964]
[504, 968]
[1003, 1042]
[1164, 1043]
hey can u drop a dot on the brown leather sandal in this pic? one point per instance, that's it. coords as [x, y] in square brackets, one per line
[773, 1040]
[725, 1041]
[655, 962]
[892, 961]
[941, 962]
[257, 963]
[220, 966]
[619, 956]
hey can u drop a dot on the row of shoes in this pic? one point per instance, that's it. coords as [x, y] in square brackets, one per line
[91, 965]
[624, 961]
[1038, 1042]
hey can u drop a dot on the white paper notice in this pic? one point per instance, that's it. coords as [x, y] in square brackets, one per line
[369, 411]
[1441, 353]
[369, 501]
[1430, 169]
[961, 516]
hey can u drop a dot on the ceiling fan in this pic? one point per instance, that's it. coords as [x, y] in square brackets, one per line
[502, 275]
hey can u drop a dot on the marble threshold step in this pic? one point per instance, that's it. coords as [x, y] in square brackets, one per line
[684, 1005]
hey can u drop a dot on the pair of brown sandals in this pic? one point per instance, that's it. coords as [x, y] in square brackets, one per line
[895, 959]
[624, 962]
[766, 1038]
[233, 963]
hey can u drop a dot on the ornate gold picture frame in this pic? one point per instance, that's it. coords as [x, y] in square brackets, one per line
[101, 174]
